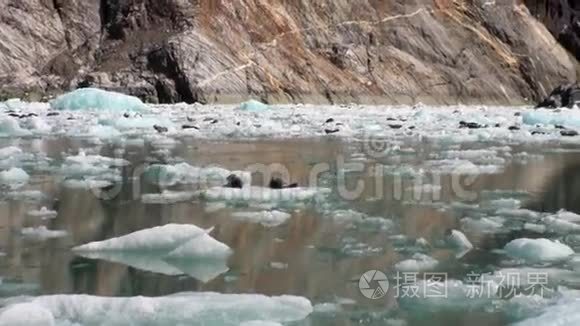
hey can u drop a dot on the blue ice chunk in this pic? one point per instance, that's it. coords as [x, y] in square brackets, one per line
[568, 118]
[97, 99]
[253, 106]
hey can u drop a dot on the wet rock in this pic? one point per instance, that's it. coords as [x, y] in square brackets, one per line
[395, 126]
[513, 128]
[277, 183]
[189, 127]
[562, 96]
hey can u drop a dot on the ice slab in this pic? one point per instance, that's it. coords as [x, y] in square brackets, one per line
[200, 247]
[14, 178]
[418, 263]
[566, 313]
[9, 127]
[538, 250]
[42, 233]
[43, 213]
[271, 218]
[261, 194]
[253, 106]
[10, 151]
[483, 225]
[168, 197]
[565, 117]
[97, 99]
[458, 240]
[179, 309]
[160, 239]
[183, 173]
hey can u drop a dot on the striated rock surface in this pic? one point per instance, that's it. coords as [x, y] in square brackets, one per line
[370, 51]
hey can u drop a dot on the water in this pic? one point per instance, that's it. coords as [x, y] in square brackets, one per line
[316, 254]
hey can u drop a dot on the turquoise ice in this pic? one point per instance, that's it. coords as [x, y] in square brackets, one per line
[97, 99]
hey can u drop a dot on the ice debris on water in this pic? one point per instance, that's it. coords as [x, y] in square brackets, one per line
[97, 99]
[271, 218]
[418, 263]
[182, 173]
[262, 194]
[458, 240]
[167, 197]
[177, 309]
[9, 127]
[14, 178]
[538, 250]
[43, 213]
[566, 117]
[42, 233]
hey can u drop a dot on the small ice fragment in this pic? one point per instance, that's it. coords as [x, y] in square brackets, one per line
[557, 225]
[418, 263]
[41, 233]
[9, 151]
[43, 213]
[97, 99]
[271, 218]
[538, 250]
[327, 308]
[167, 197]
[14, 178]
[567, 216]
[482, 225]
[535, 227]
[278, 265]
[253, 106]
[458, 240]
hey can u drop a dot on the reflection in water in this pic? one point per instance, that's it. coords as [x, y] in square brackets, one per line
[320, 257]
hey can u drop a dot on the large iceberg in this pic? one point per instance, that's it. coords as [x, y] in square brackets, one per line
[253, 106]
[97, 99]
[205, 308]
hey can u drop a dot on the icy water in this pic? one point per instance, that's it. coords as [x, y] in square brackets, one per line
[319, 253]
[471, 214]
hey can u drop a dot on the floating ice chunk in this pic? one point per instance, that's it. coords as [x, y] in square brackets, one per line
[137, 123]
[97, 99]
[419, 263]
[43, 213]
[278, 265]
[203, 270]
[483, 225]
[519, 213]
[567, 216]
[168, 197]
[86, 184]
[201, 247]
[327, 308]
[14, 178]
[10, 127]
[538, 228]
[261, 194]
[566, 313]
[266, 218]
[566, 117]
[178, 309]
[183, 173]
[538, 250]
[10, 151]
[525, 306]
[26, 195]
[557, 225]
[458, 240]
[38, 125]
[253, 106]
[26, 314]
[158, 239]
[41, 233]
[505, 203]
[83, 158]
[103, 132]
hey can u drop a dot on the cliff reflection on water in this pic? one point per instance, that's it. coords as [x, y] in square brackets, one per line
[301, 257]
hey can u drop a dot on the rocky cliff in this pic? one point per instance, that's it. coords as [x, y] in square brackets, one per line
[388, 51]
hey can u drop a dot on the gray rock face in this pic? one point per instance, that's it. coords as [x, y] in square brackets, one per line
[562, 96]
[393, 51]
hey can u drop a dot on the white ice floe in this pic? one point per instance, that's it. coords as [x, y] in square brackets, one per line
[270, 218]
[43, 213]
[261, 194]
[162, 239]
[42, 233]
[97, 99]
[9, 151]
[14, 178]
[564, 313]
[179, 309]
[418, 263]
[183, 173]
[557, 225]
[168, 197]
[483, 225]
[538, 250]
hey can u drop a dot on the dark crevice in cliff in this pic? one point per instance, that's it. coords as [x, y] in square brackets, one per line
[162, 61]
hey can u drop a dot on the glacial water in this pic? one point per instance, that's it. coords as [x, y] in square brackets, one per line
[385, 205]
